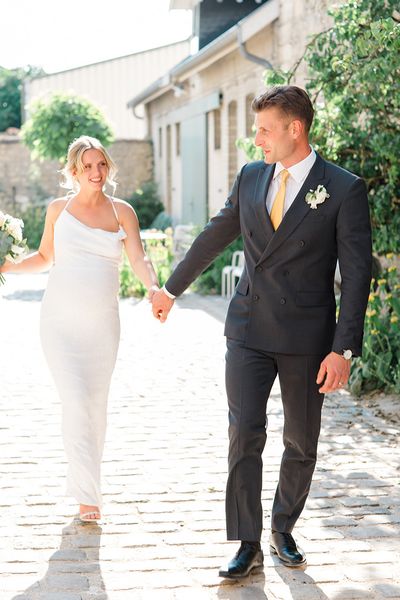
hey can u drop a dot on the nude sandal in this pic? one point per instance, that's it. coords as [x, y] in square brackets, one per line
[85, 517]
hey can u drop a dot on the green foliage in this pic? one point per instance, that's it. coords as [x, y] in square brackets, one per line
[147, 204]
[10, 99]
[160, 254]
[355, 67]
[33, 217]
[379, 368]
[11, 83]
[247, 145]
[162, 221]
[354, 70]
[355, 85]
[56, 121]
[209, 282]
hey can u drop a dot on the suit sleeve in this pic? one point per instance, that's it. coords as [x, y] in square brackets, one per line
[219, 232]
[353, 235]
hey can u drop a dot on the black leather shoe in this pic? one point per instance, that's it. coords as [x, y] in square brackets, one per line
[248, 557]
[287, 550]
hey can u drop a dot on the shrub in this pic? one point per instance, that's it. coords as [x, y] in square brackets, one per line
[56, 121]
[160, 254]
[33, 216]
[162, 221]
[379, 368]
[147, 204]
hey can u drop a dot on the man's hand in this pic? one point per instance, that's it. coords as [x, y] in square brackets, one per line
[335, 369]
[161, 305]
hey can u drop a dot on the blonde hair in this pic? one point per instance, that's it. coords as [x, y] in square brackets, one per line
[75, 163]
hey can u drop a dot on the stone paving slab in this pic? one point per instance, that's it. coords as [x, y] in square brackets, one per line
[163, 532]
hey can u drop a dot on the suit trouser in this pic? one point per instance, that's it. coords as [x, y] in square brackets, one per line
[250, 375]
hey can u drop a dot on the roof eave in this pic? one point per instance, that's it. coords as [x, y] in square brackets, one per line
[248, 26]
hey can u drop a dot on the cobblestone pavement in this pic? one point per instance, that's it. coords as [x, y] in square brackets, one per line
[163, 533]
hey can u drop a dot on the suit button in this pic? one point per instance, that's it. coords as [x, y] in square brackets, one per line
[259, 269]
[286, 273]
[302, 243]
[283, 300]
[250, 233]
[255, 297]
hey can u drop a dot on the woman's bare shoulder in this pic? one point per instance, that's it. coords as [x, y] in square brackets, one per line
[58, 203]
[122, 204]
[124, 209]
[56, 206]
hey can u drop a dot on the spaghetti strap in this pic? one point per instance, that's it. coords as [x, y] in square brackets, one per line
[68, 201]
[115, 210]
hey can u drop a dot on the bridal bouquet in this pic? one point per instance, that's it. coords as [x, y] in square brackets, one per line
[12, 244]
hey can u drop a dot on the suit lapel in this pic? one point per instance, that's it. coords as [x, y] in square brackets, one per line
[298, 210]
[260, 206]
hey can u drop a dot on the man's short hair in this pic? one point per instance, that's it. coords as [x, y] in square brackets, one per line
[290, 99]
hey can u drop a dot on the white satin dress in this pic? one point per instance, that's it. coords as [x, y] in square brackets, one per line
[80, 331]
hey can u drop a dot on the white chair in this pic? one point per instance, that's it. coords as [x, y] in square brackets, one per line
[237, 271]
[226, 275]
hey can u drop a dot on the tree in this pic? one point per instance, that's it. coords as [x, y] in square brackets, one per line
[10, 99]
[11, 82]
[56, 121]
[354, 70]
[355, 74]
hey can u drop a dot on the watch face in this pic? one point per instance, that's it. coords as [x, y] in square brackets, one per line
[347, 354]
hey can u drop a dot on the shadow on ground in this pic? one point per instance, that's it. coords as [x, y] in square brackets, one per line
[71, 566]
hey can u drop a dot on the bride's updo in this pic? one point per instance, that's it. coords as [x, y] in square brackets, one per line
[74, 162]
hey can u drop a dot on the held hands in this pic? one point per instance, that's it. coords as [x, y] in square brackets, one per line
[335, 369]
[152, 291]
[161, 305]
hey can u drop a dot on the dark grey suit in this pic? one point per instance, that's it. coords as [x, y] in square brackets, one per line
[282, 320]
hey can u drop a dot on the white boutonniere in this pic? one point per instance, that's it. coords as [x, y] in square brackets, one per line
[318, 196]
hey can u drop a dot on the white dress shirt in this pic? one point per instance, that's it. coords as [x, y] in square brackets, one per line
[297, 176]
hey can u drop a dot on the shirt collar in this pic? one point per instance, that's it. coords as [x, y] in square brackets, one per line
[300, 170]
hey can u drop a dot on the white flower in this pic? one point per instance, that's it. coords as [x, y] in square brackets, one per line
[318, 196]
[14, 228]
[17, 249]
[15, 259]
[2, 218]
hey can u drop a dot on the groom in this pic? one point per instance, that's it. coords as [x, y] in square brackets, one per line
[298, 215]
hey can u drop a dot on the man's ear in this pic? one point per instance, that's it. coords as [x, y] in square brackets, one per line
[296, 128]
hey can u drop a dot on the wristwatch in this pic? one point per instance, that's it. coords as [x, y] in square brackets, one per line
[347, 354]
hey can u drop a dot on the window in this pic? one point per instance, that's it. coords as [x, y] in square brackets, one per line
[178, 138]
[249, 116]
[232, 136]
[217, 129]
[160, 142]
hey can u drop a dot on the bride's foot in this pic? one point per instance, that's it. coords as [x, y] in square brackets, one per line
[89, 514]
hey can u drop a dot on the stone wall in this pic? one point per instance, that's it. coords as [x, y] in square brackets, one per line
[23, 180]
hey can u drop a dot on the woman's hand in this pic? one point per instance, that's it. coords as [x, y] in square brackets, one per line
[151, 291]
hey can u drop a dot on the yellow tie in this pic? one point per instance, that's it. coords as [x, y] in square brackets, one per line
[276, 215]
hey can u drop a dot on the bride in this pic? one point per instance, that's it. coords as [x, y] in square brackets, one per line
[82, 242]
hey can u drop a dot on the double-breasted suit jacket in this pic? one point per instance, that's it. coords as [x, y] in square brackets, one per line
[284, 301]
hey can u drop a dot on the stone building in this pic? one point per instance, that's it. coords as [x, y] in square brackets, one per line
[197, 110]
